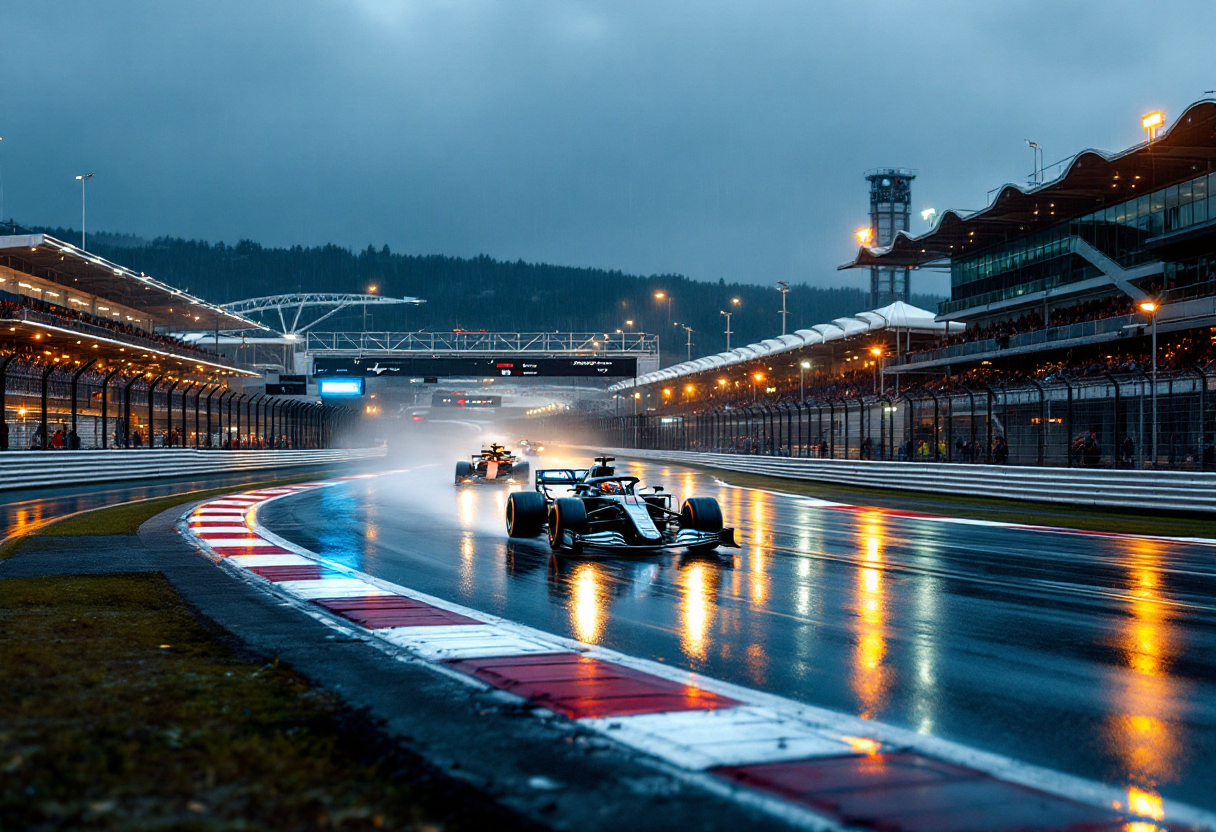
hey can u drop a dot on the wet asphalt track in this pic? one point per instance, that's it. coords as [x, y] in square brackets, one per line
[1087, 654]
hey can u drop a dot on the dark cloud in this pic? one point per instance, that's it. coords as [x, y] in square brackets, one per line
[713, 139]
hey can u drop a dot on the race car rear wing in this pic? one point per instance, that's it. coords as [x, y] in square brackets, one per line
[560, 476]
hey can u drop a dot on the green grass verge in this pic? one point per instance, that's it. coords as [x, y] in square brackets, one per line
[1130, 521]
[121, 710]
[128, 517]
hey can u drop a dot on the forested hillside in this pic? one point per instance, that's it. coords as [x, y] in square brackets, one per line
[480, 292]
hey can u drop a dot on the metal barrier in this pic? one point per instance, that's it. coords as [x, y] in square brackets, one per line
[1169, 490]
[37, 469]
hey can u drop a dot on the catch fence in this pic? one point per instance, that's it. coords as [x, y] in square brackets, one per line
[1103, 422]
[42, 407]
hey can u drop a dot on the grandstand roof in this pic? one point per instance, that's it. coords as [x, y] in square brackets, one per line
[1091, 180]
[75, 341]
[899, 316]
[44, 256]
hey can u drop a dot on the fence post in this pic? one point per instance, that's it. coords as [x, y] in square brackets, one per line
[198, 406]
[105, 391]
[152, 411]
[1042, 419]
[75, 379]
[4, 362]
[1068, 429]
[882, 429]
[988, 437]
[44, 440]
[126, 416]
[185, 429]
[937, 426]
[971, 442]
[949, 427]
[1115, 455]
[844, 420]
[1203, 410]
[832, 430]
[169, 414]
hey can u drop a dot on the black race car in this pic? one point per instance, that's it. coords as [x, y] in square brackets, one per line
[494, 464]
[529, 447]
[611, 512]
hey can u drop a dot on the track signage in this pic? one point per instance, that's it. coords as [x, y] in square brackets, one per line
[457, 367]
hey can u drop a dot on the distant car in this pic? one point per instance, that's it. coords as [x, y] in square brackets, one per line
[530, 448]
[494, 464]
[610, 512]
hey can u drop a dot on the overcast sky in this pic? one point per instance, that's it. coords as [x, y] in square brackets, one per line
[714, 139]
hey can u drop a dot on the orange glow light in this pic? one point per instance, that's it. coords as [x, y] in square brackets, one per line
[1153, 120]
[1145, 804]
[864, 235]
[862, 745]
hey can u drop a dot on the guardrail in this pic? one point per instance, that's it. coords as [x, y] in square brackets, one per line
[1168, 490]
[38, 469]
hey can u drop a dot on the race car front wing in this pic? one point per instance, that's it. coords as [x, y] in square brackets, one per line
[684, 539]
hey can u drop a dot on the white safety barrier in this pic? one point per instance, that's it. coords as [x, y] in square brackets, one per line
[1170, 490]
[35, 469]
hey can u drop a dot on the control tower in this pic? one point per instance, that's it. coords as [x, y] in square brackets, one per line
[890, 205]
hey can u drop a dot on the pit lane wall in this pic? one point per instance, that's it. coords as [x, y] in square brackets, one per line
[1159, 490]
[35, 469]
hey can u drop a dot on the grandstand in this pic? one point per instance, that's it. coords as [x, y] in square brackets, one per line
[1055, 274]
[90, 351]
[1042, 355]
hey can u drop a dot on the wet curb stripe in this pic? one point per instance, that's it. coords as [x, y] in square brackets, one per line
[844, 771]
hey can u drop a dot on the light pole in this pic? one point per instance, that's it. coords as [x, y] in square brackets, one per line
[756, 378]
[1152, 122]
[688, 330]
[371, 290]
[664, 296]
[1151, 307]
[84, 177]
[728, 332]
[784, 288]
[879, 380]
[802, 368]
[1036, 154]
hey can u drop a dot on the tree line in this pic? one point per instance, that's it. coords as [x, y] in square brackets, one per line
[482, 292]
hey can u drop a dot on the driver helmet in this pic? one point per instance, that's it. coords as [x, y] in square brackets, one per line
[611, 488]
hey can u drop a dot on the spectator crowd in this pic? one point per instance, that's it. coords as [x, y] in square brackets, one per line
[10, 308]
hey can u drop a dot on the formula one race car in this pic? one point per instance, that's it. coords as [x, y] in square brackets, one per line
[531, 448]
[611, 512]
[493, 465]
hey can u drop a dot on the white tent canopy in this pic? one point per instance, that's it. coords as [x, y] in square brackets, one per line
[899, 317]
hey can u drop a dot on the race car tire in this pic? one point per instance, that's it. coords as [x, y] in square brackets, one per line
[464, 470]
[521, 470]
[525, 514]
[566, 515]
[701, 514]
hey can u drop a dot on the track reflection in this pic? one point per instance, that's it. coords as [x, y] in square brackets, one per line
[1089, 654]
